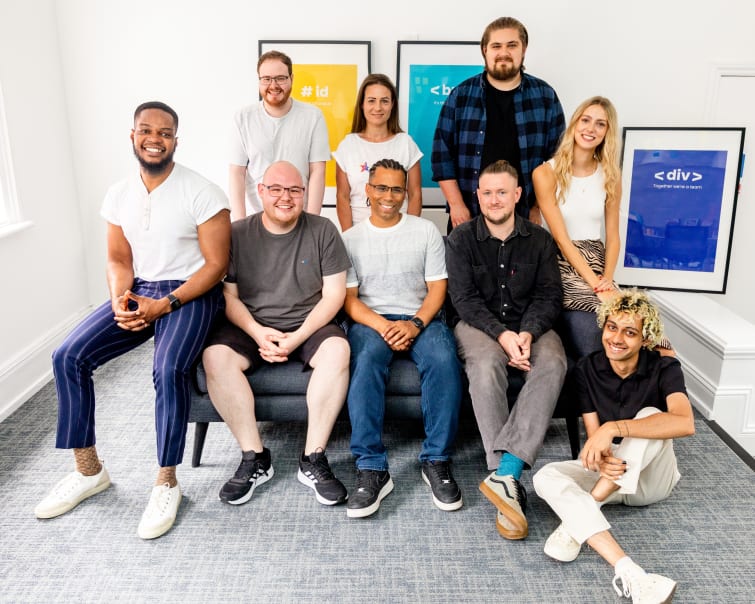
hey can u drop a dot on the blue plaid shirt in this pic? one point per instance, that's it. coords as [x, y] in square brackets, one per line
[460, 135]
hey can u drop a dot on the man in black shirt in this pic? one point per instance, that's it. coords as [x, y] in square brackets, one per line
[633, 404]
[504, 283]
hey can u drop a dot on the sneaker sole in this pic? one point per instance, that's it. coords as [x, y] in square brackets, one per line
[161, 529]
[371, 509]
[511, 535]
[68, 506]
[248, 495]
[555, 555]
[312, 485]
[450, 506]
[518, 520]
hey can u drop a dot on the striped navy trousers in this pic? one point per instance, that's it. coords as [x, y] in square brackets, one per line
[179, 338]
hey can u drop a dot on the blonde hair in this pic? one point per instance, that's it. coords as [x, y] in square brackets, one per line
[607, 153]
[634, 303]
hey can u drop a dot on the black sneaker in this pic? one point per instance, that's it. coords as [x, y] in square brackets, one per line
[446, 493]
[255, 469]
[315, 472]
[371, 488]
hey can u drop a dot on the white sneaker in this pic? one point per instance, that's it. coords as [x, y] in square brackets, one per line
[645, 588]
[70, 492]
[161, 511]
[561, 546]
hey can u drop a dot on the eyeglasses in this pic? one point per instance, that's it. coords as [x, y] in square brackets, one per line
[383, 189]
[280, 80]
[276, 191]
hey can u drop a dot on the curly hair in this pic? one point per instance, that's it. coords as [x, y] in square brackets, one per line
[635, 303]
[607, 153]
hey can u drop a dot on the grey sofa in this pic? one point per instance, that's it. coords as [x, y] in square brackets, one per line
[279, 393]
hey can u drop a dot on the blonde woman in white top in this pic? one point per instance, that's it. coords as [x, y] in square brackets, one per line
[578, 193]
[375, 135]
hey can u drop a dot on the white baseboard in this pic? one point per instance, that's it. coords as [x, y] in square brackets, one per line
[24, 375]
[717, 350]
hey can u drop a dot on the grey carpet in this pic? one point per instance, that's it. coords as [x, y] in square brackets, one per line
[284, 547]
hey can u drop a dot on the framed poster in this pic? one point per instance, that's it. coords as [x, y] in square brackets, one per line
[327, 74]
[677, 209]
[427, 72]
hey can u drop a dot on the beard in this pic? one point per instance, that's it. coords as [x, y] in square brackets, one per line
[154, 168]
[503, 71]
[497, 221]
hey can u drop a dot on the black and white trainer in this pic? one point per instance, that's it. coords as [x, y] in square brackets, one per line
[445, 490]
[255, 469]
[315, 472]
[372, 487]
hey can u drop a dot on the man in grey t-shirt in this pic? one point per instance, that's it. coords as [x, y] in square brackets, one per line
[286, 281]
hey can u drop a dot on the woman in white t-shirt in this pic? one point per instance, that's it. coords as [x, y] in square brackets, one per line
[578, 194]
[375, 135]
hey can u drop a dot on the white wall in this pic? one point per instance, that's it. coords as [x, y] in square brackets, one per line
[653, 59]
[42, 269]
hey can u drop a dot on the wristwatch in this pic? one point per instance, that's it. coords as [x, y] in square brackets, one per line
[419, 323]
[175, 303]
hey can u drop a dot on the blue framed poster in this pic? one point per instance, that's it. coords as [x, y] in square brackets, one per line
[678, 205]
[427, 73]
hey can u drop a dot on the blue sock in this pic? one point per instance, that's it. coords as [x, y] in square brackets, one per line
[510, 465]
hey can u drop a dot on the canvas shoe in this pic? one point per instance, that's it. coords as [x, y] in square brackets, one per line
[255, 469]
[561, 546]
[446, 493]
[161, 511]
[506, 528]
[644, 588]
[315, 472]
[510, 498]
[372, 487]
[70, 492]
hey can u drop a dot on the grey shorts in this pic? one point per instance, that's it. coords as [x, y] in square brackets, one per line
[228, 334]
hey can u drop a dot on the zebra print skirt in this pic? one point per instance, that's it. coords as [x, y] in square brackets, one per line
[578, 295]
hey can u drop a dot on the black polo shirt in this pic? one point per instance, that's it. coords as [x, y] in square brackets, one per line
[600, 389]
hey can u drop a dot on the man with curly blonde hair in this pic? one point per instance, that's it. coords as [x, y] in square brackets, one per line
[634, 404]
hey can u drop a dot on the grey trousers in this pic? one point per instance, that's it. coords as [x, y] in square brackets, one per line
[520, 432]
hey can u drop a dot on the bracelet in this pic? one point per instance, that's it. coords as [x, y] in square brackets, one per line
[618, 427]
[626, 429]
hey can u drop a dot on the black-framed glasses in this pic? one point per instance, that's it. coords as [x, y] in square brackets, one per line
[280, 80]
[383, 189]
[277, 190]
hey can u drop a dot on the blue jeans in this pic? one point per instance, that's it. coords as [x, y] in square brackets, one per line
[434, 353]
[581, 333]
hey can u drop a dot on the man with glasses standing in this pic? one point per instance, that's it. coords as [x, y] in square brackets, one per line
[276, 128]
[285, 283]
[395, 291]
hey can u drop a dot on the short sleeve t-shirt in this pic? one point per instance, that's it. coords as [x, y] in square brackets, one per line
[161, 226]
[279, 277]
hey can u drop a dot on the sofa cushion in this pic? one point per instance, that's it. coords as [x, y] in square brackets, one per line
[290, 379]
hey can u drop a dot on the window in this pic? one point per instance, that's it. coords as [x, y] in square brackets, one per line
[10, 217]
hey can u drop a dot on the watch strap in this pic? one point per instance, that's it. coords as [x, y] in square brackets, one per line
[175, 303]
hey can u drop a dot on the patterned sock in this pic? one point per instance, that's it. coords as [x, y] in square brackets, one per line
[510, 465]
[167, 474]
[87, 462]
